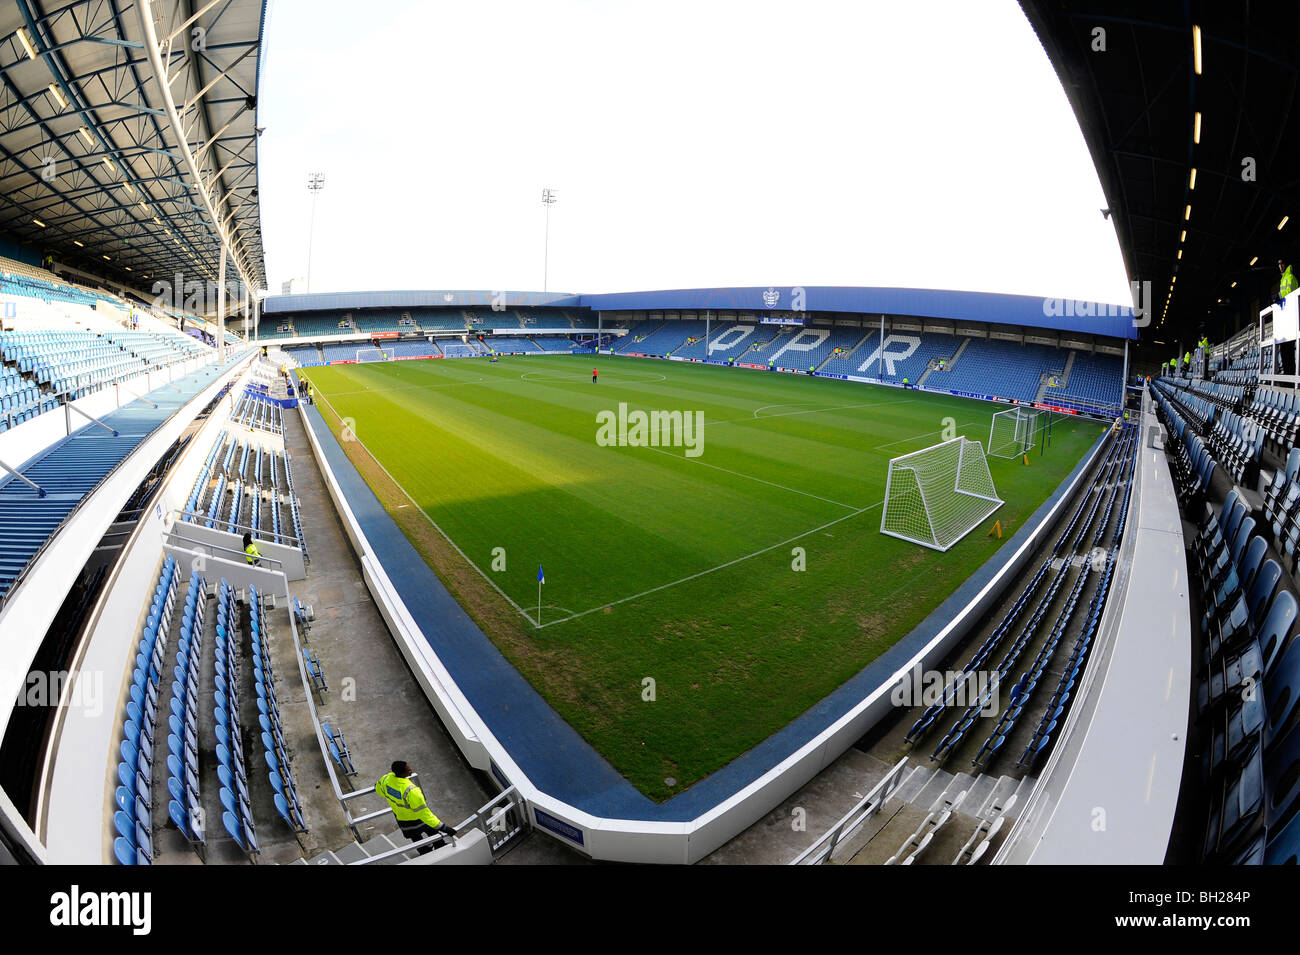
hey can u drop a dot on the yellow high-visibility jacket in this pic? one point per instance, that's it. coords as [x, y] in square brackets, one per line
[406, 800]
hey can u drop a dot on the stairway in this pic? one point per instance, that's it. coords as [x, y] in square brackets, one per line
[355, 851]
[1044, 387]
[941, 818]
[950, 363]
[847, 354]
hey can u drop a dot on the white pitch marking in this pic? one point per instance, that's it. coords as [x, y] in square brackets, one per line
[381, 391]
[552, 376]
[703, 573]
[750, 477]
[787, 414]
[923, 434]
[446, 537]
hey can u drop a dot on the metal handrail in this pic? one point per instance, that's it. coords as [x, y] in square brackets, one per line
[263, 533]
[173, 536]
[820, 851]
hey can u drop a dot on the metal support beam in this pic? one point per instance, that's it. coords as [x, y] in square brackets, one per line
[22, 477]
[93, 420]
[221, 306]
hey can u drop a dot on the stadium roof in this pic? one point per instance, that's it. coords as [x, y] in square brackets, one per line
[1093, 318]
[112, 170]
[435, 298]
[1138, 88]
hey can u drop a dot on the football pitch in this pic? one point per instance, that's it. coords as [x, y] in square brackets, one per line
[698, 595]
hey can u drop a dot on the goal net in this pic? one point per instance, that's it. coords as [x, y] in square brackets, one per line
[1013, 432]
[937, 496]
[373, 354]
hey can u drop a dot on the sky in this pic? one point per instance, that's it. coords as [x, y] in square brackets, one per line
[689, 144]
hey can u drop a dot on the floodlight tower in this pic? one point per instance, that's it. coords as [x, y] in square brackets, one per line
[315, 183]
[548, 200]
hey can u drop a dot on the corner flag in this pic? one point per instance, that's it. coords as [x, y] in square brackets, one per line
[541, 579]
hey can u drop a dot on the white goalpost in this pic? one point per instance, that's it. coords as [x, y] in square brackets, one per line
[372, 354]
[937, 496]
[1013, 432]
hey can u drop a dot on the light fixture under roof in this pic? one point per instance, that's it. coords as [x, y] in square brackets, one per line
[1196, 128]
[78, 244]
[1196, 49]
[85, 134]
[106, 258]
[1187, 213]
[1191, 183]
[39, 222]
[25, 40]
[1254, 260]
[1282, 223]
[1183, 237]
[54, 91]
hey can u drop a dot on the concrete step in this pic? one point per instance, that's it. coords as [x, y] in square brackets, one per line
[383, 843]
[325, 858]
[1003, 789]
[932, 790]
[1023, 790]
[960, 782]
[352, 852]
[978, 792]
[912, 783]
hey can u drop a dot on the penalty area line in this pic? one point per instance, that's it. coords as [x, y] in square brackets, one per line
[751, 477]
[705, 573]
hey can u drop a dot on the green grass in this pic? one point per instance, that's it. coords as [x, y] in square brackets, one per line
[662, 566]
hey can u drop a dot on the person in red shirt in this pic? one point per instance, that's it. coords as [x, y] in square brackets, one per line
[593, 375]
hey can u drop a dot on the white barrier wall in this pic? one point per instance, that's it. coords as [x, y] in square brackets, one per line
[633, 840]
[19, 444]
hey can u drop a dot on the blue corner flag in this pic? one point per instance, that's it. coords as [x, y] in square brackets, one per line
[541, 577]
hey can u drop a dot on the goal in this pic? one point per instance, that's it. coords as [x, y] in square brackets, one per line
[373, 354]
[937, 496]
[1013, 432]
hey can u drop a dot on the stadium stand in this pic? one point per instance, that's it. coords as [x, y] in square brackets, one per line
[440, 320]
[823, 355]
[507, 346]
[1089, 528]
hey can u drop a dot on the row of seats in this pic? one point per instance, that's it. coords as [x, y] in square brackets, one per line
[1278, 412]
[1237, 444]
[237, 810]
[201, 482]
[184, 808]
[1118, 476]
[1080, 523]
[275, 750]
[259, 412]
[133, 817]
[1246, 691]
